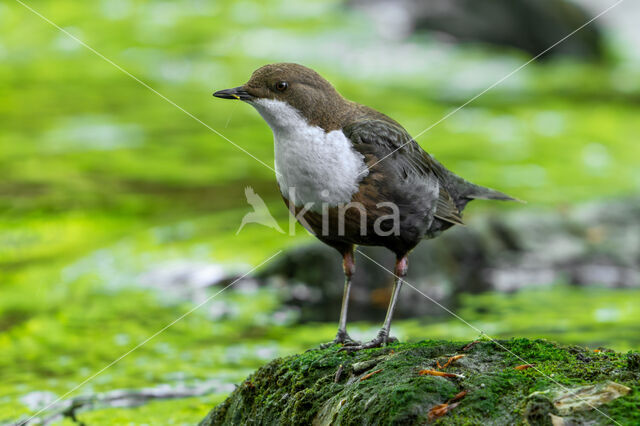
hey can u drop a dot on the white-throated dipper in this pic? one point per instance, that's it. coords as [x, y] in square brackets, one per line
[353, 176]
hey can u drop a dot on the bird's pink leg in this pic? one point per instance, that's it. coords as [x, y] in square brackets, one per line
[400, 271]
[349, 267]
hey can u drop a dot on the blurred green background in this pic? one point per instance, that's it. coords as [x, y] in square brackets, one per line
[101, 180]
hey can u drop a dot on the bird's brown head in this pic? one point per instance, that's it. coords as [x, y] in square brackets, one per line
[272, 88]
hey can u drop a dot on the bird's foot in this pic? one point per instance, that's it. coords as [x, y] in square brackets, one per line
[341, 338]
[382, 339]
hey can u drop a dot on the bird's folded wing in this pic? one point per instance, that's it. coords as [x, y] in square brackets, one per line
[446, 208]
[381, 141]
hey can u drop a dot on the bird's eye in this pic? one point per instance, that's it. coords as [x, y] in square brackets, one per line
[281, 86]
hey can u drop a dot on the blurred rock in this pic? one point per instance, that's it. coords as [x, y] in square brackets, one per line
[529, 25]
[591, 244]
[190, 280]
[69, 411]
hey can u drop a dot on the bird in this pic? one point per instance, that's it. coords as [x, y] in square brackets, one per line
[353, 176]
[260, 213]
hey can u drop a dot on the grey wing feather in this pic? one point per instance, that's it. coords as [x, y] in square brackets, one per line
[381, 138]
[447, 209]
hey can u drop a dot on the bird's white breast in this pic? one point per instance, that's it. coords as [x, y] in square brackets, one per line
[318, 166]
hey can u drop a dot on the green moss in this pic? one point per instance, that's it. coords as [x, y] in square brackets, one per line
[302, 389]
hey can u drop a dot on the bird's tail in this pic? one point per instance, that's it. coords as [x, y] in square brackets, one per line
[477, 192]
[464, 191]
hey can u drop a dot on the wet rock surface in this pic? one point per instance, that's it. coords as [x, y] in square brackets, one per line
[516, 381]
[593, 244]
[529, 25]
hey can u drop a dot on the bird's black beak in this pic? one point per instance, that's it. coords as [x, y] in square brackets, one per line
[235, 93]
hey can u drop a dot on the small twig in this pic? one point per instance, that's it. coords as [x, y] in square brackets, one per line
[442, 409]
[451, 360]
[458, 397]
[365, 377]
[470, 345]
[439, 373]
[524, 366]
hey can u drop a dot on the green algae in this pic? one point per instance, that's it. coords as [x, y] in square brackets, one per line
[179, 412]
[63, 202]
[302, 389]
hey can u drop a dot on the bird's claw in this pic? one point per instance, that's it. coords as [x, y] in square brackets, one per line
[341, 338]
[382, 339]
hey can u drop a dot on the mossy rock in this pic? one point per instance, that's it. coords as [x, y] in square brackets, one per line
[384, 386]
